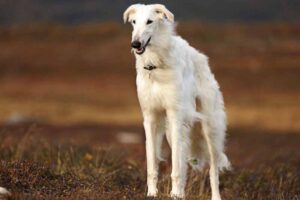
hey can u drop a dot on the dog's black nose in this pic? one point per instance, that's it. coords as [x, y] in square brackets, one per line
[136, 44]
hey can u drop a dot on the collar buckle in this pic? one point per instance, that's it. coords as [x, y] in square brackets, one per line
[150, 67]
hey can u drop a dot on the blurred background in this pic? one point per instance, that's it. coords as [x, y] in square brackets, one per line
[68, 62]
[70, 122]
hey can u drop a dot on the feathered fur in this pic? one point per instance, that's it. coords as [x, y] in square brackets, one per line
[178, 99]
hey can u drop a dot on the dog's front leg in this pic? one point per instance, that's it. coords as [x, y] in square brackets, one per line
[179, 154]
[152, 162]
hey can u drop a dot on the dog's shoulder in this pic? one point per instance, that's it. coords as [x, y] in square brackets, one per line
[179, 42]
[182, 49]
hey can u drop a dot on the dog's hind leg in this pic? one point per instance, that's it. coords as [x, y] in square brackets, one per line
[214, 125]
[214, 133]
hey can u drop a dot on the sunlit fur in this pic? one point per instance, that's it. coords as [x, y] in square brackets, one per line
[178, 99]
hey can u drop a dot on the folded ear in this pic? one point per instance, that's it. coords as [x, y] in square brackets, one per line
[128, 12]
[164, 12]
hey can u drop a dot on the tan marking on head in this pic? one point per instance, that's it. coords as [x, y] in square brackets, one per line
[129, 12]
[164, 12]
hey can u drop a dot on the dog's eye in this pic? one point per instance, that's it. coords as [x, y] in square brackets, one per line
[149, 21]
[133, 21]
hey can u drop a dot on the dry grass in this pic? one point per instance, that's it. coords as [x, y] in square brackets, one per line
[44, 165]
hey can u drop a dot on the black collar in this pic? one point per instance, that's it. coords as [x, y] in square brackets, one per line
[150, 67]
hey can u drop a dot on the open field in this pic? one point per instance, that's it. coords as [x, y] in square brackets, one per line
[71, 74]
[67, 95]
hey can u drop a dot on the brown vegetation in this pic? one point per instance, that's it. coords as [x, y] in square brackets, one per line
[75, 162]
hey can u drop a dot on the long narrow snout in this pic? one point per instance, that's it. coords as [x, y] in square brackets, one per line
[139, 46]
[136, 44]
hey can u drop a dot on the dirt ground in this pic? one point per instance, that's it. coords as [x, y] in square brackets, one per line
[71, 124]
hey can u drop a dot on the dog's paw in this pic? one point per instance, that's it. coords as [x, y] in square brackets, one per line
[177, 194]
[216, 196]
[152, 192]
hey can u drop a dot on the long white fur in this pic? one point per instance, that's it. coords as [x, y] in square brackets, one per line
[174, 98]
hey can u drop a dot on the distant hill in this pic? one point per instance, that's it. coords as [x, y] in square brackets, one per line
[84, 11]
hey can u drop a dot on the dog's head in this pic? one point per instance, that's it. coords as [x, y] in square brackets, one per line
[146, 20]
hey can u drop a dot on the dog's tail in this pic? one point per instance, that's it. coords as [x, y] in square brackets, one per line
[210, 101]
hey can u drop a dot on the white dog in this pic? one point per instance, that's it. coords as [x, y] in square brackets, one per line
[174, 85]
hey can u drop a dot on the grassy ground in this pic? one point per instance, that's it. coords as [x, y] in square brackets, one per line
[66, 102]
[75, 162]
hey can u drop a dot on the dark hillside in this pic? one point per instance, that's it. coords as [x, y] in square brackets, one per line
[80, 11]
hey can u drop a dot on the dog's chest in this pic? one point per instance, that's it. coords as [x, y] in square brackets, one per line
[155, 88]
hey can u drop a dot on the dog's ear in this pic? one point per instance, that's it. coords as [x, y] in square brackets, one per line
[128, 12]
[164, 12]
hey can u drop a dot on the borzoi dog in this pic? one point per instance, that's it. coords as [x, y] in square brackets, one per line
[178, 95]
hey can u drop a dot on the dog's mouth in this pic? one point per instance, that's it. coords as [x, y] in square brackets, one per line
[141, 50]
